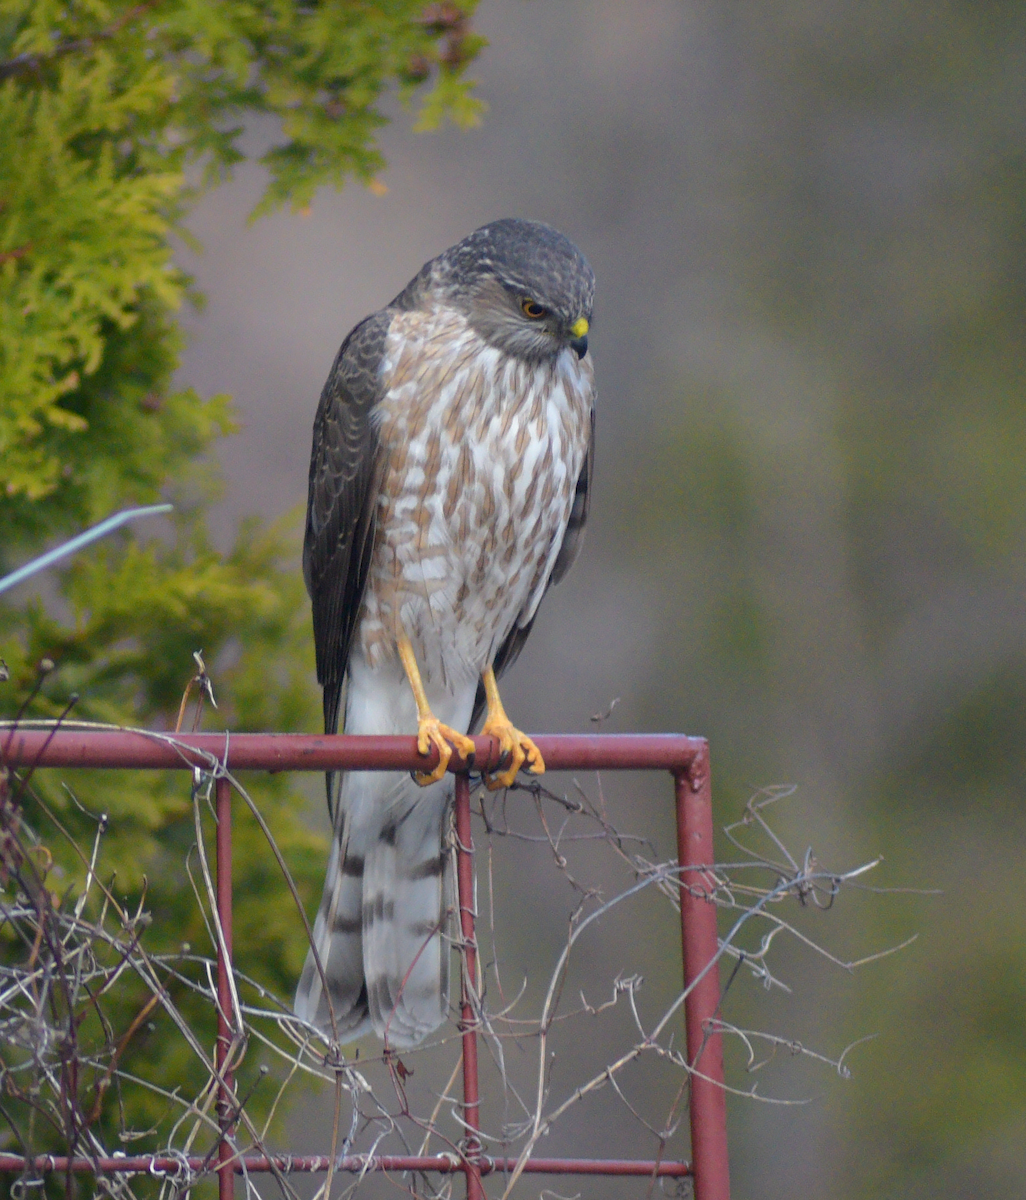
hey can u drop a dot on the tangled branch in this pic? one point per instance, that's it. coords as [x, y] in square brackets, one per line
[69, 959]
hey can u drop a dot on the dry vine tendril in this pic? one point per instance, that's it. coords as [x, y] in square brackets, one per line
[560, 1022]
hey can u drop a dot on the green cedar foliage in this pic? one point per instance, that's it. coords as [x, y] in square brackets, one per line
[113, 117]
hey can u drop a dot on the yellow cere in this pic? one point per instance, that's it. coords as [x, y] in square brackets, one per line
[580, 327]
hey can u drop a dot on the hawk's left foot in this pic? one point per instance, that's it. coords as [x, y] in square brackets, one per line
[518, 745]
[511, 741]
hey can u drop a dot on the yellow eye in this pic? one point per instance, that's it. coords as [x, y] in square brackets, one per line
[531, 308]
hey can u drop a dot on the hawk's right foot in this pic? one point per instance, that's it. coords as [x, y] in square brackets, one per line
[431, 732]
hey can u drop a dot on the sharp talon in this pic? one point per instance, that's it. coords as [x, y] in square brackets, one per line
[535, 762]
[465, 745]
[519, 747]
[431, 732]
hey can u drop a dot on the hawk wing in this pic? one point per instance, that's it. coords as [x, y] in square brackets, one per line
[341, 502]
[573, 535]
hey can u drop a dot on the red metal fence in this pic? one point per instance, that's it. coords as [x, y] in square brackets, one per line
[687, 761]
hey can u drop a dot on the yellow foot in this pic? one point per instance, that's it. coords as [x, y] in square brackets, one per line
[431, 732]
[518, 745]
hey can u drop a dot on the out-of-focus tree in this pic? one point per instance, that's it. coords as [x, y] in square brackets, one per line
[113, 118]
[843, 517]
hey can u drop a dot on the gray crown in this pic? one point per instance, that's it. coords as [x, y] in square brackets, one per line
[528, 258]
[493, 272]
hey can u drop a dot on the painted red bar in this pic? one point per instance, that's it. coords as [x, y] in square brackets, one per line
[309, 752]
[687, 759]
[468, 1022]
[225, 1172]
[700, 946]
[312, 1164]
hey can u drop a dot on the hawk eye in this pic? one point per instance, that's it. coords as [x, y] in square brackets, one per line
[531, 308]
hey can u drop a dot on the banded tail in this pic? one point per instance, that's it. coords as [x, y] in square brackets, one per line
[382, 929]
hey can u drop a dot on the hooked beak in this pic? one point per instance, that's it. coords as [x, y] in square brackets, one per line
[579, 341]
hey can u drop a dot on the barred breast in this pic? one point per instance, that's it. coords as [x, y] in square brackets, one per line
[481, 455]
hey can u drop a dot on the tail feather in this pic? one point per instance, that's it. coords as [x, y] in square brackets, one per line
[338, 935]
[381, 930]
[405, 943]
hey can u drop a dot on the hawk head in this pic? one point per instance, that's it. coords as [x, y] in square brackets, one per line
[523, 286]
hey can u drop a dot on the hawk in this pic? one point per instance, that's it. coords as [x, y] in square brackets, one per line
[449, 484]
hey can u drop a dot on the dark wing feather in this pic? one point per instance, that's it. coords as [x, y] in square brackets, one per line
[574, 533]
[573, 536]
[341, 502]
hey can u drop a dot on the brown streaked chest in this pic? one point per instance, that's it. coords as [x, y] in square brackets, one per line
[481, 455]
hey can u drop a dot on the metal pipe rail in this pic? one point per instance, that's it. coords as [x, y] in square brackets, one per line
[316, 1164]
[685, 758]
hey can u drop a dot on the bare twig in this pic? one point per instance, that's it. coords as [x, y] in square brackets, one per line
[69, 958]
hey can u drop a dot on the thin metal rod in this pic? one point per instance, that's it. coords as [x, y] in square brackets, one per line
[226, 1170]
[77, 543]
[312, 1164]
[468, 983]
[685, 757]
[76, 747]
[700, 946]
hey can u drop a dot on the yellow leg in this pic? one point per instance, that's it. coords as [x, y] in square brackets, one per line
[511, 740]
[430, 731]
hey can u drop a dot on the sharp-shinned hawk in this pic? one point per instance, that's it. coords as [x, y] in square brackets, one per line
[449, 483]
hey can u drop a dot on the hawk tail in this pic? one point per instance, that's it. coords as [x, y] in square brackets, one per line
[337, 936]
[382, 929]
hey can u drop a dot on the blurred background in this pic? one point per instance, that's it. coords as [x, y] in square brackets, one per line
[807, 224]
